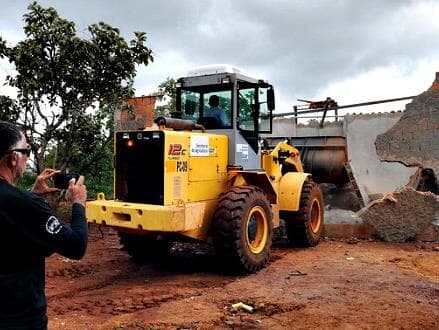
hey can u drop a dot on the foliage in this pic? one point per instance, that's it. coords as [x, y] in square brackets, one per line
[27, 181]
[246, 104]
[69, 87]
[8, 109]
[60, 76]
[169, 92]
[99, 176]
[313, 122]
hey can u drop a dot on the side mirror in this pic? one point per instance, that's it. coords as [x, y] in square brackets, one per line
[270, 99]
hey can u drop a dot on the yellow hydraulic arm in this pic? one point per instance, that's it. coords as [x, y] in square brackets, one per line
[281, 154]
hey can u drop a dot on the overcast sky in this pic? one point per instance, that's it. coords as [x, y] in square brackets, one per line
[351, 50]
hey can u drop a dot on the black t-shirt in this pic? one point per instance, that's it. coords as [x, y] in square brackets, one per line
[30, 232]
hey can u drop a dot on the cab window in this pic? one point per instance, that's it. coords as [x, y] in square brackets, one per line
[194, 105]
[264, 112]
[246, 104]
[223, 111]
[190, 105]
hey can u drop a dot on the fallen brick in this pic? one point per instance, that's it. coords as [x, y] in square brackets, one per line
[402, 215]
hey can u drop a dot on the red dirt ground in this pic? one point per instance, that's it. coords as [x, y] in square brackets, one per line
[336, 285]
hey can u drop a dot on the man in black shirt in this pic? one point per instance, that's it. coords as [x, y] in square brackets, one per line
[30, 232]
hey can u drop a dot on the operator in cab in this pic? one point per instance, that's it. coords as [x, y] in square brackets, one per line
[216, 112]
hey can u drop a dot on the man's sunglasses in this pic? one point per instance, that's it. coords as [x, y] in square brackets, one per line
[25, 151]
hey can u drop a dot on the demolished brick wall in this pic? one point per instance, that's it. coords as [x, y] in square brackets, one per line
[402, 215]
[140, 116]
[414, 139]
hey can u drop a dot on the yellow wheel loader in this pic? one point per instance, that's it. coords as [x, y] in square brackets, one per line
[194, 177]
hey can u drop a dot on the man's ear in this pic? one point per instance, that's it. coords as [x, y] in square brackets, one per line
[12, 159]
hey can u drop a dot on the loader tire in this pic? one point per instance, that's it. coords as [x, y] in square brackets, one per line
[144, 247]
[304, 227]
[243, 228]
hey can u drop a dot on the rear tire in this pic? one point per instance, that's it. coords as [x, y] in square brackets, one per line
[304, 227]
[144, 247]
[243, 228]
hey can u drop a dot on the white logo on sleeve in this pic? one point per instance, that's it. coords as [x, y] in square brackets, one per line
[53, 225]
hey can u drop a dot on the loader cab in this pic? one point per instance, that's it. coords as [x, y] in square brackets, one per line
[247, 104]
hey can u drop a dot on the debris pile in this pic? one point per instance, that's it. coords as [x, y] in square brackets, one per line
[402, 215]
[413, 141]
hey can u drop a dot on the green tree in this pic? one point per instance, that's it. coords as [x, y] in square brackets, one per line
[8, 109]
[69, 87]
[246, 103]
[168, 93]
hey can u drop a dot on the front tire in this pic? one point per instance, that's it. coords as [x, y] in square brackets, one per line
[243, 228]
[304, 227]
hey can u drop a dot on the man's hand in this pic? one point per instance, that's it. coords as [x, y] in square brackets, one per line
[40, 186]
[77, 192]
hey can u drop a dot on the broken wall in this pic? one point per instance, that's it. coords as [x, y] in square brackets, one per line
[414, 139]
[373, 176]
[138, 115]
[286, 127]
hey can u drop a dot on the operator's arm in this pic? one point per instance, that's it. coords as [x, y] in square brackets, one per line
[224, 120]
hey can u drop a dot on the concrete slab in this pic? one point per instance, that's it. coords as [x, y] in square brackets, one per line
[373, 176]
[287, 127]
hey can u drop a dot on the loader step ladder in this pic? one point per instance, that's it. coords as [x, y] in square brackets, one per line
[353, 182]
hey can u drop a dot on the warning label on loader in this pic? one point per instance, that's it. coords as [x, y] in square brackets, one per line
[243, 149]
[200, 146]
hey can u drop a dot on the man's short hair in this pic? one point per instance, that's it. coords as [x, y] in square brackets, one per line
[10, 135]
[214, 100]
